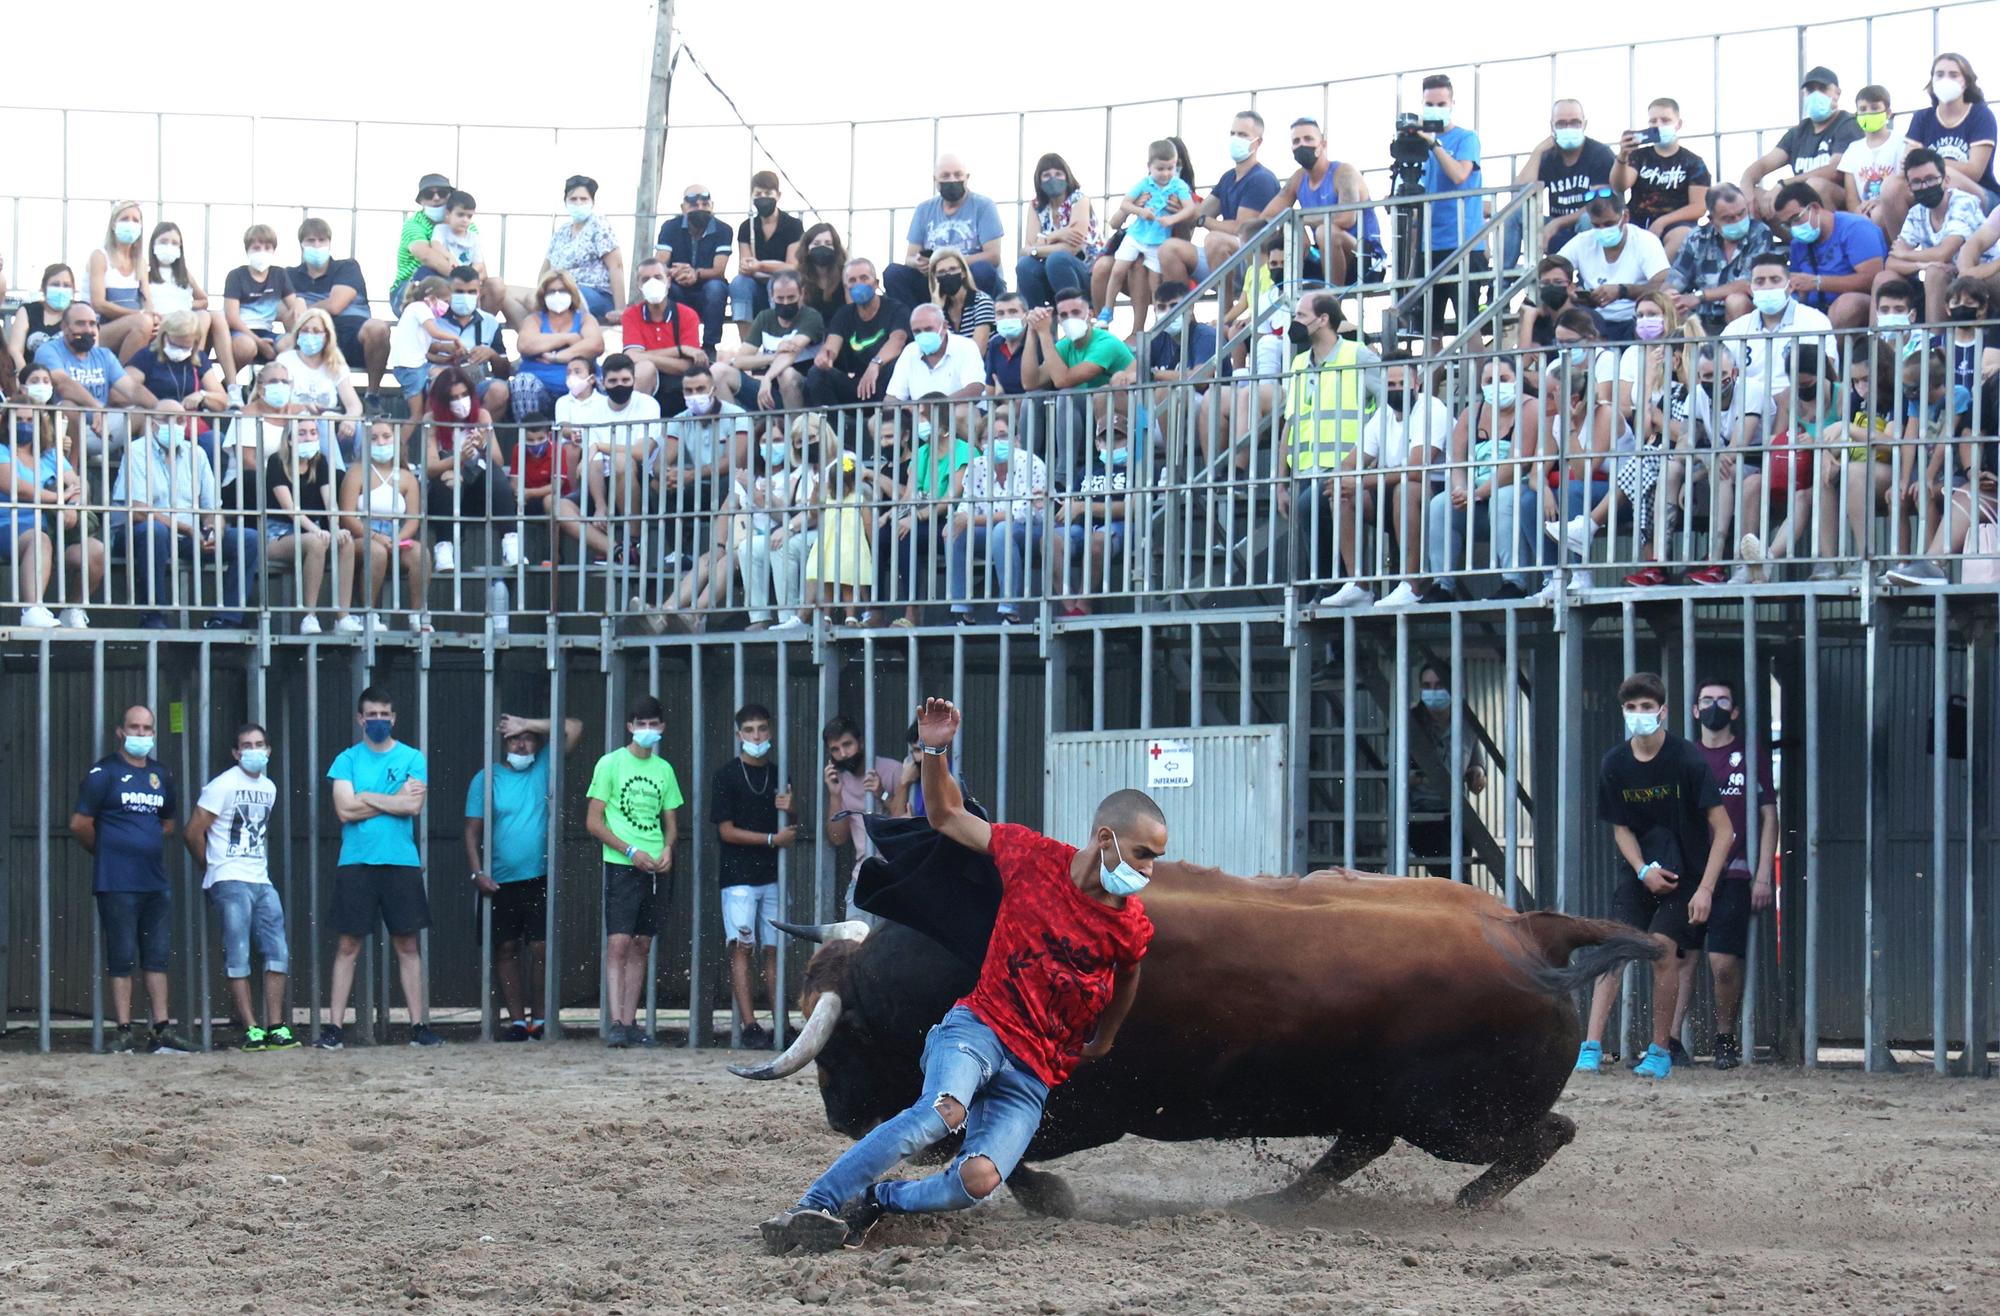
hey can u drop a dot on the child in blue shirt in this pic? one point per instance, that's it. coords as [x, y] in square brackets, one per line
[1155, 204]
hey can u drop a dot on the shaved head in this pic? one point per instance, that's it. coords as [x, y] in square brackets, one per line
[1129, 828]
[1120, 810]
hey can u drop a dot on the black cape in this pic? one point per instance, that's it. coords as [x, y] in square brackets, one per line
[926, 881]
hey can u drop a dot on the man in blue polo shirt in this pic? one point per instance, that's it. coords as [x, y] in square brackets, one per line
[1240, 194]
[517, 884]
[1835, 255]
[124, 815]
[378, 788]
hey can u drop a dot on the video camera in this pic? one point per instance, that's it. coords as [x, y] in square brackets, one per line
[1409, 146]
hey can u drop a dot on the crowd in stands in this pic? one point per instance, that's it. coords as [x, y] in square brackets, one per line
[1705, 377]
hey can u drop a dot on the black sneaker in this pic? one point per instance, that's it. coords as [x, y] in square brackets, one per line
[1436, 593]
[536, 1027]
[516, 1031]
[1728, 1051]
[1509, 590]
[1678, 1053]
[255, 1039]
[166, 1042]
[636, 1035]
[280, 1039]
[121, 1042]
[329, 1038]
[861, 1216]
[755, 1037]
[815, 1231]
[421, 1035]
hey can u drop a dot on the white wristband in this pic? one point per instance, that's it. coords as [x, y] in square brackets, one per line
[1650, 866]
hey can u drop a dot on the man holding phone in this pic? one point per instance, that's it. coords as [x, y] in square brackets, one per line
[633, 794]
[750, 805]
[1667, 182]
[854, 789]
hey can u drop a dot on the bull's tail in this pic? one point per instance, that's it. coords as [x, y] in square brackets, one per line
[1575, 952]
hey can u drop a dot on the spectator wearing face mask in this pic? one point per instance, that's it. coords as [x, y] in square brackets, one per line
[1668, 183]
[968, 312]
[38, 321]
[1761, 336]
[1069, 354]
[707, 441]
[173, 366]
[1451, 166]
[1536, 330]
[167, 503]
[1960, 127]
[766, 245]
[421, 341]
[661, 335]
[766, 371]
[1711, 274]
[1813, 148]
[1835, 255]
[1941, 220]
[1615, 261]
[465, 470]
[906, 543]
[1238, 196]
[1003, 349]
[1065, 243]
[258, 299]
[556, 330]
[1347, 249]
[1868, 164]
[955, 217]
[695, 246]
[1001, 498]
[1973, 344]
[1571, 166]
[418, 254]
[321, 380]
[336, 285]
[481, 351]
[88, 377]
[1430, 803]
[114, 283]
[863, 342]
[586, 250]
[822, 266]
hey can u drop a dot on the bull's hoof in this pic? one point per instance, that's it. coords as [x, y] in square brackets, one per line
[1041, 1193]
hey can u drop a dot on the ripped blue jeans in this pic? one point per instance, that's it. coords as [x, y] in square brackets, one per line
[1003, 1102]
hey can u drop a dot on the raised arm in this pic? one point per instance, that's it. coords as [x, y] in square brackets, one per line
[944, 803]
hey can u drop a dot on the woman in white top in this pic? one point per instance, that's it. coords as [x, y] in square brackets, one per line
[114, 285]
[171, 287]
[760, 498]
[320, 383]
[379, 501]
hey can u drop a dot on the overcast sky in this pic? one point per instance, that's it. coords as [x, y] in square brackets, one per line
[505, 62]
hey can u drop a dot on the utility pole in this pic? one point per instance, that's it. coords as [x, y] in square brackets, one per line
[645, 220]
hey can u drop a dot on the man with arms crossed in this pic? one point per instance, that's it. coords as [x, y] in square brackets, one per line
[1061, 972]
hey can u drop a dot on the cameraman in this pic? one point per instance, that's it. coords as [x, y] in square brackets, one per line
[1451, 166]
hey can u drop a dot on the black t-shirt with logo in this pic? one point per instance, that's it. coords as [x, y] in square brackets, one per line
[1663, 181]
[861, 340]
[1810, 148]
[1569, 184]
[747, 797]
[1672, 790]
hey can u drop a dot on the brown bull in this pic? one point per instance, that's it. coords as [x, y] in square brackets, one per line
[1358, 1007]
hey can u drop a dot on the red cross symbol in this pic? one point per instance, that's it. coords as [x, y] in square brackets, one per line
[1155, 751]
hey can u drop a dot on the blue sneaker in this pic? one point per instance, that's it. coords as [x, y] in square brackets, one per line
[329, 1038]
[1656, 1064]
[1590, 1058]
[421, 1035]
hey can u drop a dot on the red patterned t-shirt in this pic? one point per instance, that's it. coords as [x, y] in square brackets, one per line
[1054, 952]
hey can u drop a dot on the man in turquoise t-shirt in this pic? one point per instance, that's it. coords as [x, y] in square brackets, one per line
[1067, 352]
[633, 795]
[516, 884]
[378, 788]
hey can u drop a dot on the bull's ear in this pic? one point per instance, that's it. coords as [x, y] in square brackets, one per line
[820, 933]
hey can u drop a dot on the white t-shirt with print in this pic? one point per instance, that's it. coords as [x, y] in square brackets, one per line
[1638, 261]
[1387, 441]
[238, 838]
[1871, 165]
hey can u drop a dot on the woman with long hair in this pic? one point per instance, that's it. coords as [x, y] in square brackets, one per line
[115, 284]
[820, 258]
[1065, 243]
[172, 287]
[966, 309]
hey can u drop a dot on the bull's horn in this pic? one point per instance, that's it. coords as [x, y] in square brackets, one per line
[852, 929]
[812, 1039]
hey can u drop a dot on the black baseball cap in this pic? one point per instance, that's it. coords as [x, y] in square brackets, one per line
[430, 182]
[1820, 76]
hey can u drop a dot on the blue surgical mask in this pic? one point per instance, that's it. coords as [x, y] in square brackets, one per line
[382, 452]
[1435, 700]
[1737, 231]
[1609, 237]
[1641, 724]
[463, 303]
[1436, 116]
[1498, 395]
[316, 257]
[311, 344]
[1010, 326]
[520, 762]
[1805, 231]
[279, 393]
[58, 299]
[861, 294]
[646, 737]
[1117, 456]
[923, 431]
[1819, 106]
[1770, 301]
[756, 749]
[1578, 355]
[929, 341]
[435, 214]
[254, 761]
[1239, 149]
[377, 729]
[1892, 320]
[579, 211]
[1001, 449]
[125, 231]
[1668, 136]
[173, 435]
[1568, 139]
[1123, 880]
[139, 747]
[775, 454]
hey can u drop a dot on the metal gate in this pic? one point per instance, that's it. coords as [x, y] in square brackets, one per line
[1225, 790]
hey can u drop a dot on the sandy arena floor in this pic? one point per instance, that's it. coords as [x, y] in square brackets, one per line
[566, 1179]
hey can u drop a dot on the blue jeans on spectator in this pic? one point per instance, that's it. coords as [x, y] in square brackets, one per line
[1003, 1103]
[1079, 534]
[912, 287]
[151, 548]
[748, 296]
[710, 298]
[138, 929]
[1015, 541]
[250, 910]
[1511, 512]
[1042, 277]
[597, 300]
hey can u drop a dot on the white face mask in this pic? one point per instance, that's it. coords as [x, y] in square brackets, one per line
[654, 291]
[461, 407]
[1947, 89]
[520, 762]
[580, 385]
[39, 393]
[175, 352]
[258, 261]
[557, 301]
[166, 252]
[1075, 328]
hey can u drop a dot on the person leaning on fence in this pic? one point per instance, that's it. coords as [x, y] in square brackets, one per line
[794, 529]
[1666, 816]
[465, 471]
[229, 836]
[765, 373]
[124, 814]
[516, 887]
[1329, 387]
[856, 787]
[1937, 426]
[920, 495]
[633, 796]
[750, 805]
[1971, 339]
[379, 506]
[378, 794]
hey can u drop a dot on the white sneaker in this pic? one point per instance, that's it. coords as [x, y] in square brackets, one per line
[348, 625]
[790, 622]
[75, 619]
[444, 558]
[656, 622]
[1577, 533]
[420, 624]
[1548, 593]
[1751, 549]
[377, 622]
[1349, 595]
[1739, 576]
[1400, 597]
[1824, 571]
[38, 616]
[309, 625]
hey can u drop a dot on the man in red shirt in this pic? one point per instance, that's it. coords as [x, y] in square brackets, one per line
[1060, 974]
[663, 338]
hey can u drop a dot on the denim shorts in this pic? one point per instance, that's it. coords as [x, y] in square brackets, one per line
[250, 912]
[747, 915]
[138, 927]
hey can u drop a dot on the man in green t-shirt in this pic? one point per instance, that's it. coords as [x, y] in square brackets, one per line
[1067, 352]
[633, 795]
[416, 254]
